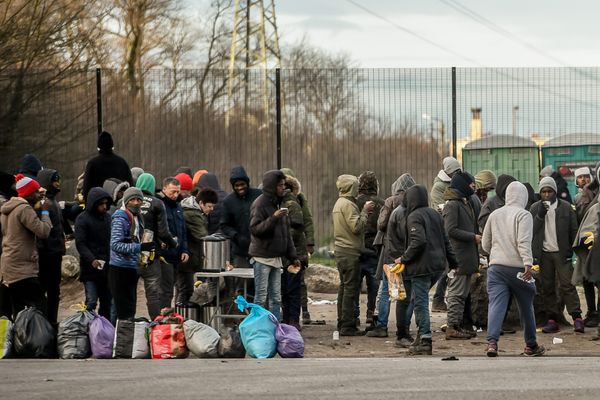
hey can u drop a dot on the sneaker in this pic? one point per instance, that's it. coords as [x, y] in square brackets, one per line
[403, 342]
[492, 349]
[379, 331]
[455, 333]
[551, 327]
[591, 320]
[351, 332]
[534, 351]
[578, 325]
[306, 318]
[439, 306]
[422, 348]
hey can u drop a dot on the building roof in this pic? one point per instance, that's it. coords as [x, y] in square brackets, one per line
[500, 141]
[574, 139]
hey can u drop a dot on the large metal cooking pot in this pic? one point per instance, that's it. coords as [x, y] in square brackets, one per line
[216, 252]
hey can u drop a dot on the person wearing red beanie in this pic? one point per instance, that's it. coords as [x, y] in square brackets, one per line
[26, 186]
[186, 184]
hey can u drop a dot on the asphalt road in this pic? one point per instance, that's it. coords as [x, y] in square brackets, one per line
[514, 378]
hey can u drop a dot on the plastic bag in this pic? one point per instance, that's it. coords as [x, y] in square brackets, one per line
[73, 339]
[131, 339]
[289, 341]
[102, 336]
[395, 284]
[201, 339]
[230, 345]
[167, 339]
[6, 337]
[34, 336]
[257, 330]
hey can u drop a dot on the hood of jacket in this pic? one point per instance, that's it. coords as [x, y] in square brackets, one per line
[461, 182]
[238, 174]
[95, 195]
[516, 195]
[270, 181]
[293, 184]
[485, 179]
[190, 203]
[347, 186]
[402, 184]
[30, 166]
[45, 178]
[7, 182]
[209, 180]
[503, 182]
[288, 172]
[146, 183]
[11, 204]
[443, 176]
[112, 186]
[368, 183]
[416, 197]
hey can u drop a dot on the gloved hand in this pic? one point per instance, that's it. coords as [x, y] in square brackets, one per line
[398, 268]
[589, 239]
[148, 246]
[542, 210]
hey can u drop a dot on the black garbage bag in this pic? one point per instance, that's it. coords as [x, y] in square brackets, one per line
[230, 345]
[34, 336]
[73, 339]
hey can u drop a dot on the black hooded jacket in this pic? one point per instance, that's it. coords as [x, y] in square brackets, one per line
[30, 166]
[105, 165]
[427, 247]
[494, 203]
[368, 187]
[154, 216]
[235, 214]
[210, 180]
[55, 243]
[92, 237]
[270, 236]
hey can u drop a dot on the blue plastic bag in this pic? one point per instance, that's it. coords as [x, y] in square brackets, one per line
[289, 341]
[257, 330]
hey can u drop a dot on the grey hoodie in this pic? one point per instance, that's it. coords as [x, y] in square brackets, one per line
[509, 230]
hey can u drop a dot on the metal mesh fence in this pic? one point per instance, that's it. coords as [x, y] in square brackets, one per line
[390, 121]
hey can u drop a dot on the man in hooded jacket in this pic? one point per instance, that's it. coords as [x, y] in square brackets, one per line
[271, 244]
[105, 165]
[210, 180]
[52, 248]
[427, 252]
[349, 224]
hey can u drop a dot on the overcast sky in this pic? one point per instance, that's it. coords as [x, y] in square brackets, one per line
[565, 32]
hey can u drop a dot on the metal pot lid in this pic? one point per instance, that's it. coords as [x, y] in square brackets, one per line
[215, 237]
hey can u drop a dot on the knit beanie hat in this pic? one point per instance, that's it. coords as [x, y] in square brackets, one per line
[185, 181]
[548, 182]
[546, 171]
[132, 193]
[582, 171]
[485, 179]
[461, 181]
[105, 141]
[26, 186]
[146, 183]
[198, 175]
[451, 165]
[136, 172]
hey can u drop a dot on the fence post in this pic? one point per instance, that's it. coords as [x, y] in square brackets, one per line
[278, 114]
[454, 112]
[99, 98]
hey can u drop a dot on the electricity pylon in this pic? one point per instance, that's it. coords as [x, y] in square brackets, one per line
[254, 46]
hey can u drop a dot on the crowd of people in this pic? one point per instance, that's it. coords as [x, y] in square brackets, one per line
[126, 226]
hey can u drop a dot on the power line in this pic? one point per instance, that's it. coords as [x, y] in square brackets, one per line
[413, 33]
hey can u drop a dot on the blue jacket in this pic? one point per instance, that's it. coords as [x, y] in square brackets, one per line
[124, 249]
[177, 228]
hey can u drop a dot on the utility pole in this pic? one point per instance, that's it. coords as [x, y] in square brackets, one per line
[515, 115]
[254, 46]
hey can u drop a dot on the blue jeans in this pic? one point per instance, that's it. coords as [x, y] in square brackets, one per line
[502, 282]
[267, 282]
[404, 308]
[97, 291]
[420, 299]
[383, 312]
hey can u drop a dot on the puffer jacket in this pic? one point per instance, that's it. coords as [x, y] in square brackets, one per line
[235, 218]
[196, 225]
[309, 228]
[461, 227]
[428, 246]
[54, 244]
[92, 237]
[125, 244]
[349, 223]
[20, 227]
[368, 188]
[270, 236]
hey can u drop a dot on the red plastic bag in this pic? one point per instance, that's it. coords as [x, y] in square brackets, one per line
[167, 339]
